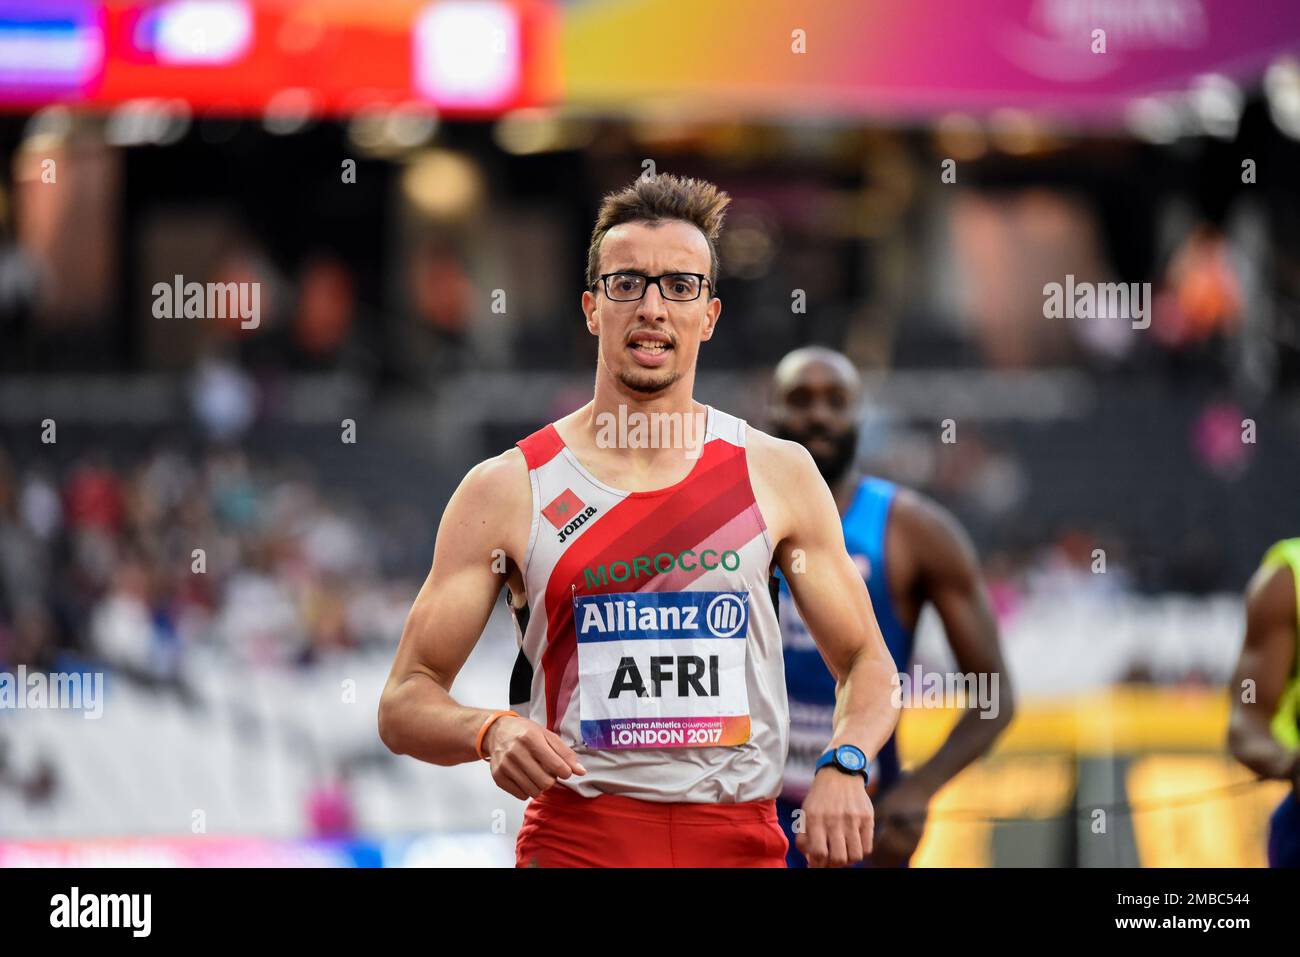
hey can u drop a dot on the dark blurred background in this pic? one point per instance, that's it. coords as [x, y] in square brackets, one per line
[419, 250]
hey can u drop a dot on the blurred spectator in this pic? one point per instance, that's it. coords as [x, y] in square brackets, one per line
[174, 551]
[93, 497]
[330, 808]
[1217, 440]
[1203, 294]
[224, 398]
[325, 311]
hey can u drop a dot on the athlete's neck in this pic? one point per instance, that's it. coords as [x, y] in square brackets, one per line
[611, 394]
[648, 428]
[844, 490]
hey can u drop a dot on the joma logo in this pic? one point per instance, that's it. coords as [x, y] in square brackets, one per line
[568, 513]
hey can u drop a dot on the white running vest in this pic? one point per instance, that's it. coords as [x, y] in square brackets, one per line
[651, 643]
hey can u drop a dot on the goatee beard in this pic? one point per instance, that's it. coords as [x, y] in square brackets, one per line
[647, 386]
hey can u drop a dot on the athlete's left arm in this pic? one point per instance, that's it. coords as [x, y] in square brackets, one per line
[833, 601]
[944, 571]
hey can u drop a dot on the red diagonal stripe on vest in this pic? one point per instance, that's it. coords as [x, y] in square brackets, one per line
[736, 534]
[712, 496]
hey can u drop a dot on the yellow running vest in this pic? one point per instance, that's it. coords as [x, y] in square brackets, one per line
[1285, 723]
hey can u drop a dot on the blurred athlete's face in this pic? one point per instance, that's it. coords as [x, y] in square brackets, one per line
[650, 343]
[816, 406]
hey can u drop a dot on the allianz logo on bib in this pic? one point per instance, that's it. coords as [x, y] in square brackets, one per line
[666, 646]
[627, 616]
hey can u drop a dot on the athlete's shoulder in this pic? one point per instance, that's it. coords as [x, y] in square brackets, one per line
[1284, 552]
[931, 534]
[1271, 613]
[489, 509]
[782, 459]
[1271, 595]
[497, 483]
[508, 468]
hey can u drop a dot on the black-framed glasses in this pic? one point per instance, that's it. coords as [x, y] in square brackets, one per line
[673, 286]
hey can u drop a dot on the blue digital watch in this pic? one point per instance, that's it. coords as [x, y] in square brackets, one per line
[845, 758]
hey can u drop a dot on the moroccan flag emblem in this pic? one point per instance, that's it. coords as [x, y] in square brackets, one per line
[564, 509]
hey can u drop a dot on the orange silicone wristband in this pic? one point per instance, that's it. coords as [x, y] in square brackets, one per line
[478, 744]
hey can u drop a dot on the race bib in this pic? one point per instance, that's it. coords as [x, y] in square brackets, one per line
[662, 669]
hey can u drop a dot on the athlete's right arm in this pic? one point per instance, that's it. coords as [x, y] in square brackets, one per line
[486, 521]
[1267, 658]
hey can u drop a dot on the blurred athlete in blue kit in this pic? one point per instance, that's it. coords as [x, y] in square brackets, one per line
[910, 552]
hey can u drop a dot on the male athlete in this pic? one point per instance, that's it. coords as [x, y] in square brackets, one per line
[653, 726]
[910, 552]
[1264, 733]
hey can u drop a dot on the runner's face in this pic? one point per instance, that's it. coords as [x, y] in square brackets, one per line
[628, 331]
[816, 407]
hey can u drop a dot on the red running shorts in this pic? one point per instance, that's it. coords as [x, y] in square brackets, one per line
[563, 829]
